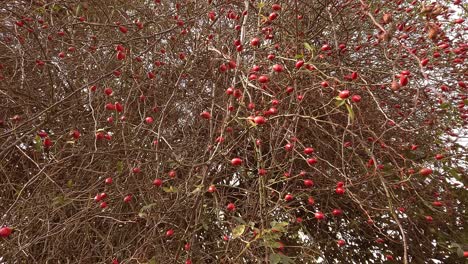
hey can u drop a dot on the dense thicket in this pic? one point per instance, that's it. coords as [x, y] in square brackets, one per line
[228, 131]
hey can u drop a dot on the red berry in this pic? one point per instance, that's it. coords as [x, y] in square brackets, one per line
[311, 161]
[299, 64]
[308, 183]
[172, 174]
[341, 242]
[205, 115]
[308, 151]
[337, 212]
[344, 94]
[288, 197]
[273, 16]
[103, 205]
[48, 143]
[425, 171]
[319, 216]
[5, 231]
[149, 120]
[276, 7]
[259, 120]
[169, 232]
[157, 182]
[339, 190]
[236, 162]
[76, 134]
[128, 198]
[263, 79]
[255, 42]
[231, 207]
[212, 189]
[403, 80]
[108, 180]
[356, 98]
[123, 29]
[278, 68]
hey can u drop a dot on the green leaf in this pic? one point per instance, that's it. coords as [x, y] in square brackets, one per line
[78, 9]
[280, 258]
[152, 261]
[59, 200]
[69, 183]
[350, 111]
[169, 189]
[238, 231]
[260, 5]
[240, 220]
[299, 56]
[445, 105]
[37, 143]
[308, 47]
[119, 166]
[142, 212]
[339, 102]
[275, 258]
[286, 260]
[272, 244]
[279, 226]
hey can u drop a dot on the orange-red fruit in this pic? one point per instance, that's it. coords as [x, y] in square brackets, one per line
[231, 207]
[344, 94]
[259, 120]
[236, 162]
[308, 183]
[425, 171]
[5, 231]
[157, 182]
[205, 115]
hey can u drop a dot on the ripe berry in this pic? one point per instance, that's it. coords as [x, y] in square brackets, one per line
[308, 151]
[425, 171]
[5, 231]
[205, 115]
[278, 68]
[169, 232]
[339, 190]
[344, 94]
[308, 183]
[236, 162]
[157, 182]
[128, 198]
[337, 212]
[212, 189]
[319, 216]
[231, 207]
[259, 120]
[356, 98]
[255, 42]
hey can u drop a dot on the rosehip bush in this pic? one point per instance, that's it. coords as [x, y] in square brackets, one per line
[222, 131]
